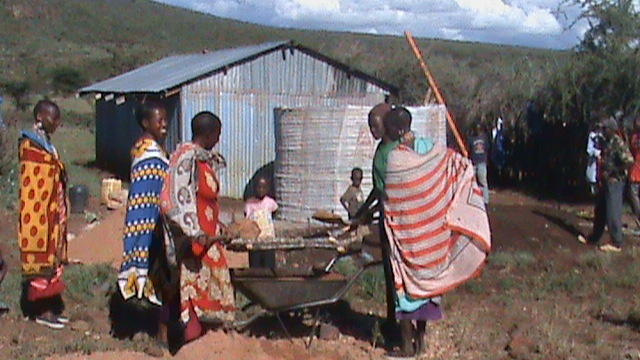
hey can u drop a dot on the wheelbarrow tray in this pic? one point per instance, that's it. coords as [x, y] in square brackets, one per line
[277, 291]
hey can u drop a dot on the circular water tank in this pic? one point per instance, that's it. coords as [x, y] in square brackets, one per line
[317, 147]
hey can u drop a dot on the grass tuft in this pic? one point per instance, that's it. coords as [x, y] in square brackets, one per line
[85, 283]
[511, 260]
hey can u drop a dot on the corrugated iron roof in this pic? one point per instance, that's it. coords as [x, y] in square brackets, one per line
[174, 71]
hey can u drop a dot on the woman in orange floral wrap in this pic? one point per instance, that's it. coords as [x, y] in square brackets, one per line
[189, 201]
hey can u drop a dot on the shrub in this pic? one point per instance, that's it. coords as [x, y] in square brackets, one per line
[7, 152]
[19, 91]
[66, 80]
[8, 168]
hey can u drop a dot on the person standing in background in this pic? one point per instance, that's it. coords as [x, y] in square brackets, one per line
[353, 197]
[616, 162]
[595, 143]
[479, 147]
[634, 174]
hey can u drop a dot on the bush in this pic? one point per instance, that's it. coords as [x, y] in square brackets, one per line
[8, 152]
[8, 168]
[66, 80]
[19, 91]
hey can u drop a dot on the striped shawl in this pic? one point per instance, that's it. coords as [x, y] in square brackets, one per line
[436, 221]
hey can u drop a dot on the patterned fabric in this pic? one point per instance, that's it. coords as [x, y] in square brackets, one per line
[43, 206]
[148, 171]
[634, 144]
[190, 205]
[435, 220]
[617, 159]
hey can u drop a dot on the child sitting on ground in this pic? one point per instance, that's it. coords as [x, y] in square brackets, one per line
[260, 210]
[353, 198]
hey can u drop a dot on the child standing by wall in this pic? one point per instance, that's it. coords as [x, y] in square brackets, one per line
[260, 209]
[353, 198]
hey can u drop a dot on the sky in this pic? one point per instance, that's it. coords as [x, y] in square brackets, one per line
[535, 23]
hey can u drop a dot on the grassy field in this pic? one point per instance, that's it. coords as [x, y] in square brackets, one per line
[101, 38]
[75, 141]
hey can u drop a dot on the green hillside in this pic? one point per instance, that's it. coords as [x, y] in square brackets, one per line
[101, 38]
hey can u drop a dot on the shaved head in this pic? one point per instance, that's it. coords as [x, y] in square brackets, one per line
[47, 115]
[205, 129]
[376, 115]
[379, 111]
[397, 122]
[205, 122]
[45, 105]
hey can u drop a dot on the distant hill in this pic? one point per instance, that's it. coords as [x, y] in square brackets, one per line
[102, 38]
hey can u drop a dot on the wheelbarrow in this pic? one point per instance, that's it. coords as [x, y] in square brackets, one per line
[278, 291]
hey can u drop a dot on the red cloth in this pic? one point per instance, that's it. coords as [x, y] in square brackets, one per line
[634, 175]
[208, 301]
[41, 288]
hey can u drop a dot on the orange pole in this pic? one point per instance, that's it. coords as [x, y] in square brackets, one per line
[436, 91]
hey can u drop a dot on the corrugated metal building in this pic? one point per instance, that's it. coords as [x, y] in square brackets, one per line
[244, 86]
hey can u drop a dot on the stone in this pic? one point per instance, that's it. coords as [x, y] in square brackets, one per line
[329, 332]
[154, 351]
[80, 326]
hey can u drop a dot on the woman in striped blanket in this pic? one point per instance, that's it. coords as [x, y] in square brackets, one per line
[437, 227]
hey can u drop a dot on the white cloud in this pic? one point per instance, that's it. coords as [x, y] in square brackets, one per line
[516, 22]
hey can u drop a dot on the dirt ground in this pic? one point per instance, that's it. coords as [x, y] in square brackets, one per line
[101, 242]
[540, 297]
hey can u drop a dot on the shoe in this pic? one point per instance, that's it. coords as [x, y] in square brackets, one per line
[53, 324]
[610, 248]
[582, 239]
[63, 319]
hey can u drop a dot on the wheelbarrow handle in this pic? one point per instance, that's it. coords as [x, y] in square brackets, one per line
[340, 256]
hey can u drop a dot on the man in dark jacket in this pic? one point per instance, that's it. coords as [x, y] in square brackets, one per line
[616, 162]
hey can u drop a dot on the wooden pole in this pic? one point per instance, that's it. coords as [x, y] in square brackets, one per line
[436, 91]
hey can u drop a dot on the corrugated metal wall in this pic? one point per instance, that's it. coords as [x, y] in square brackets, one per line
[117, 130]
[246, 97]
[318, 147]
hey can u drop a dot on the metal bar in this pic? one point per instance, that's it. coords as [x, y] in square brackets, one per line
[240, 325]
[436, 91]
[172, 92]
[316, 320]
[286, 331]
[338, 295]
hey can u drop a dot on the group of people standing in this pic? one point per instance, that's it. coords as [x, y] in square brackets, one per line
[432, 219]
[613, 163]
[172, 257]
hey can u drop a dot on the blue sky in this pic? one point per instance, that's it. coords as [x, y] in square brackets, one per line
[534, 23]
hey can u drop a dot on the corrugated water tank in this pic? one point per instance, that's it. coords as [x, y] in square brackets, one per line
[316, 148]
